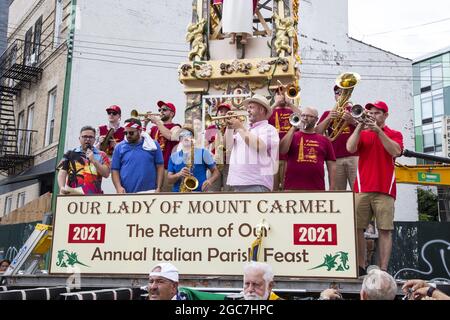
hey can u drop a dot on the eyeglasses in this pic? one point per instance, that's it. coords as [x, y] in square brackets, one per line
[129, 133]
[163, 109]
[88, 137]
[114, 113]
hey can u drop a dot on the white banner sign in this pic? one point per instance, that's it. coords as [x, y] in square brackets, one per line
[307, 235]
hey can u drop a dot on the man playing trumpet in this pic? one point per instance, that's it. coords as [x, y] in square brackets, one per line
[165, 132]
[306, 153]
[254, 150]
[282, 110]
[375, 188]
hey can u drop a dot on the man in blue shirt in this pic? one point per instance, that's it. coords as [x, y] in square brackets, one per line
[203, 161]
[137, 163]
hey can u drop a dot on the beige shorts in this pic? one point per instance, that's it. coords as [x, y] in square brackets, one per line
[370, 204]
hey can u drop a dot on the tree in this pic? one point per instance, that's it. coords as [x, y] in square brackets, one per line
[428, 205]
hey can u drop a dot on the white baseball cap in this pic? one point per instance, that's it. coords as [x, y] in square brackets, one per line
[168, 271]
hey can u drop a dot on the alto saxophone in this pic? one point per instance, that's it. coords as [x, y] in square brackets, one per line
[189, 183]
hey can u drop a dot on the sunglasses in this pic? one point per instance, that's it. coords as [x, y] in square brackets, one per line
[129, 133]
[163, 109]
[337, 92]
[114, 113]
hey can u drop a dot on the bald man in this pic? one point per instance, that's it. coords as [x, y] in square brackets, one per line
[307, 152]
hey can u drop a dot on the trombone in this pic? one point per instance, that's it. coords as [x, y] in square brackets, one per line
[142, 116]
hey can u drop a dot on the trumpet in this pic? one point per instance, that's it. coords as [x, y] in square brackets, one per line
[292, 90]
[230, 114]
[360, 114]
[295, 120]
[135, 114]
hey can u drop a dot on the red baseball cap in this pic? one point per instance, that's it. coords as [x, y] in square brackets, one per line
[168, 105]
[379, 105]
[114, 108]
[224, 105]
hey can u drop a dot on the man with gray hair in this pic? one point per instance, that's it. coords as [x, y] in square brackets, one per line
[258, 282]
[378, 285]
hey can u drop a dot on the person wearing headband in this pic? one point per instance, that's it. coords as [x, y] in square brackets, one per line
[137, 163]
[83, 167]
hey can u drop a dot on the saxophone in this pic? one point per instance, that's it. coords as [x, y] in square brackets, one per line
[189, 183]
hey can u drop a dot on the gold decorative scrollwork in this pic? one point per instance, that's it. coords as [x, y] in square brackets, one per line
[235, 66]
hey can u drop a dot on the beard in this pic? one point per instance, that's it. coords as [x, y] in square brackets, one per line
[165, 118]
[254, 296]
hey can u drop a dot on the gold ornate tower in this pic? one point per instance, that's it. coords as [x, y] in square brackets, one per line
[216, 67]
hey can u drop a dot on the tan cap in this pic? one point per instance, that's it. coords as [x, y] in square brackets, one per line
[260, 99]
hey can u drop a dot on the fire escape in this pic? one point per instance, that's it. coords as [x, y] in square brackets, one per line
[18, 70]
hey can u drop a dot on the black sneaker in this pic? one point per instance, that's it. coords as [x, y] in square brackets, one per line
[361, 272]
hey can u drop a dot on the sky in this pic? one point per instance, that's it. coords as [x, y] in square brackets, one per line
[409, 28]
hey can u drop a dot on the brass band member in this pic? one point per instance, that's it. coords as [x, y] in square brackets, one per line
[282, 110]
[306, 153]
[191, 161]
[375, 188]
[114, 114]
[346, 162]
[254, 150]
[166, 133]
[137, 163]
[214, 137]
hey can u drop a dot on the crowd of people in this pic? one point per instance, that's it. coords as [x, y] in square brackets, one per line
[262, 151]
[258, 284]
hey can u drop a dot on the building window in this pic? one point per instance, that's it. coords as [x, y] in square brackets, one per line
[28, 46]
[438, 103]
[432, 137]
[58, 23]
[427, 108]
[21, 200]
[50, 117]
[8, 205]
[36, 41]
[436, 76]
[425, 79]
[29, 128]
[20, 132]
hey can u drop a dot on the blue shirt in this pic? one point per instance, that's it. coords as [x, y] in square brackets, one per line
[137, 167]
[203, 160]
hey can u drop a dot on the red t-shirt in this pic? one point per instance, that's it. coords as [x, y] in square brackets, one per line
[280, 120]
[305, 161]
[340, 144]
[376, 171]
[118, 136]
[165, 144]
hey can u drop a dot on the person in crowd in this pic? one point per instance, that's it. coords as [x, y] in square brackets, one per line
[375, 187]
[258, 282]
[81, 170]
[4, 264]
[137, 163]
[163, 282]
[417, 289]
[191, 161]
[165, 132]
[114, 113]
[307, 152]
[254, 150]
[282, 111]
[214, 137]
[346, 162]
[377, 285]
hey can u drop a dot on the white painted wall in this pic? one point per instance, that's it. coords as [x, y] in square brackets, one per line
[31, 193]
[327, 51]
[162, 25]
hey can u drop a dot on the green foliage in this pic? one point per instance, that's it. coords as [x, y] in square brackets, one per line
[428, 205]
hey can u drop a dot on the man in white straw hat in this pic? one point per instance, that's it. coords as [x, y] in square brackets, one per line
[254, 150]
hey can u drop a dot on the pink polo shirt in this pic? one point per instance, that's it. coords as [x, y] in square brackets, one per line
[247, 166]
